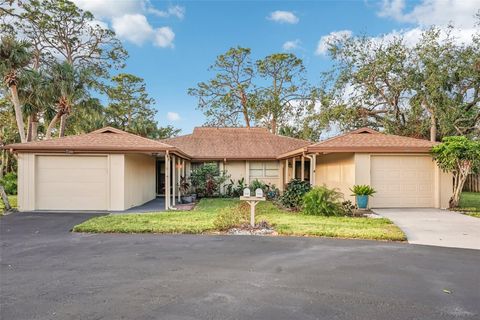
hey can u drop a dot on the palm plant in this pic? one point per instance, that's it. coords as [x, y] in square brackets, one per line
[68, 90]
[14, 57]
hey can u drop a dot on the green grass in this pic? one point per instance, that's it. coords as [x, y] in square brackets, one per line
[470, 200]
[12, 200]
[200, 220]
[470, 204]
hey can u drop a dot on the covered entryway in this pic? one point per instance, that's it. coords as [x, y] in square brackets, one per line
[402, 181]
[71, 182]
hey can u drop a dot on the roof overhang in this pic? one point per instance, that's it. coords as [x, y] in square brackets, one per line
[392, 149]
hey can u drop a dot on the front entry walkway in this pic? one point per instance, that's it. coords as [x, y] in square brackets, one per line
[155, 205]
[436, 227]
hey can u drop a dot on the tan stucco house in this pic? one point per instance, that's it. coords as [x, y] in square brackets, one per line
[109, 169]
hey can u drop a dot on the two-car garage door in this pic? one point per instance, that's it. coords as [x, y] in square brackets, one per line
[402, 181]
[71, 182]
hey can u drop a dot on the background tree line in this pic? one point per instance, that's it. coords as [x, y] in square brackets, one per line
[56, 62]
[429, 90]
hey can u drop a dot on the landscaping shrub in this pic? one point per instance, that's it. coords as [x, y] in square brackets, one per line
[321, 201]
[207, 179]
[9, 182]
[293, 195]
[231, 217]
[233, 189]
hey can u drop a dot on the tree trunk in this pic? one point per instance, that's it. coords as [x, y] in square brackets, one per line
[245, 110]
[4, 197]
[53, 123]
[18, 113]
[29, 128]
[274, 125]
[63, 124]
[34, 129]
[433, 127]
[460, 177]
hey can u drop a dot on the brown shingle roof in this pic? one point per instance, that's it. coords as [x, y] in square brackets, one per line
[369, 140]
[105, 139]
[234, 143]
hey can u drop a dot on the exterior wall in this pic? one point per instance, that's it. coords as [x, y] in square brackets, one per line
[26, 182]
[336, 170]
[442, 182]
[131, 180]
[238, 169]
[139, 179]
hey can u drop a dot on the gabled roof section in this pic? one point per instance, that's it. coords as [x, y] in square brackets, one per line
[207, 143]
[105, 139]
[369, 140]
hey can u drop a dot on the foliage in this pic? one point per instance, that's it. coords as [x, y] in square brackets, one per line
[460, 156]
[429, 90]
[269, 93]
[286, 93]
[9, 182]
[362, 190]
[293, 195]
[231, 217]
[321, 201]
[269, 190]
[184, 185]
[348, 207]
[130, 108]
[12, 200]
[225, 99]
[235, 190]
[207, 179]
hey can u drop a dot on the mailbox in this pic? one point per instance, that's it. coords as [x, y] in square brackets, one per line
[246, 192]
[259, 193]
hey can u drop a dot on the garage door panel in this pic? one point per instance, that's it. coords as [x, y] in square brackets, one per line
[71, 182]
[402, 181]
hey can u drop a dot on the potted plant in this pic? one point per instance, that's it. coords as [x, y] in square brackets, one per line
[361, 193]
[184, 187]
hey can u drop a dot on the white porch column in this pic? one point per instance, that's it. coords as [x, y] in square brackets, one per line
[313, 165]
[167, 181]
[286, 172]
[302, 174]
[179, 174]
[293, 167]
[247, 172]
[174, 179]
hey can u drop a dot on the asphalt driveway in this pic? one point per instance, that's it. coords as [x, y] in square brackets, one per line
[49, 273]
[436, 227]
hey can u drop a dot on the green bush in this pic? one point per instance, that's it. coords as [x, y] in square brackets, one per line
[362, 190]
[293, 195]
[207, 179]
[233, 189]
[230, 217]
[321, 201]
[9, 182]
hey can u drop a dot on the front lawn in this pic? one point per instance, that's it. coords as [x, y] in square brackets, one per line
[13, 203]
[200, 220]
[470, 203]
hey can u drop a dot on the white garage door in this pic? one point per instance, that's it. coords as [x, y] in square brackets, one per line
[402, 181]
[71, 183]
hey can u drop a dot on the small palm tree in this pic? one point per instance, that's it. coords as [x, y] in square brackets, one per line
[67, 89]
[14, 57]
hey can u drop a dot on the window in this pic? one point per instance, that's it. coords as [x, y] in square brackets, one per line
[264, 169]
[271, 169]
[256, 169]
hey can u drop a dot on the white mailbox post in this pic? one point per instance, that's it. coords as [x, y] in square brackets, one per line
[252, 201]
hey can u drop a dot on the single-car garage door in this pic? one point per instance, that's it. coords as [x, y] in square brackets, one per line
[71, 183]
[402, 181]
